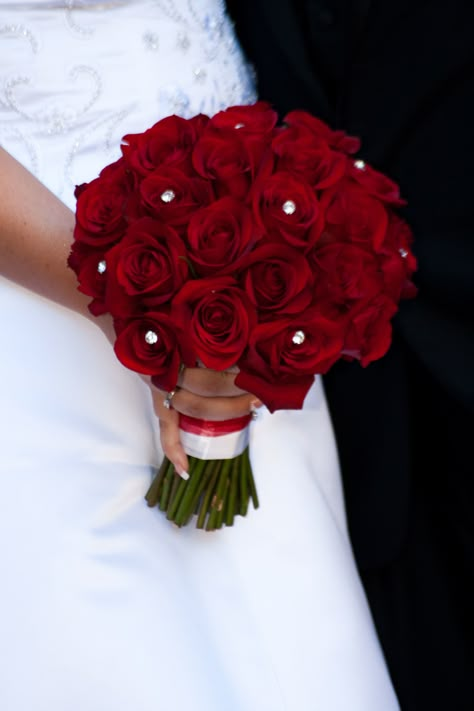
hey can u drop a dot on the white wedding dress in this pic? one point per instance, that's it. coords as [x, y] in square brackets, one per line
[105, 606]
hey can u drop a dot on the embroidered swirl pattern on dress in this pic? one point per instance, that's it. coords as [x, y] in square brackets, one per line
[88, 51]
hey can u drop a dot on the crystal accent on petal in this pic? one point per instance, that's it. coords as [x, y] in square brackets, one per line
[403, 252]
[298, 338]
[102, 266]
[359, 164]
[168, 195]
[289, 207]
[151, 338]
[239, 125]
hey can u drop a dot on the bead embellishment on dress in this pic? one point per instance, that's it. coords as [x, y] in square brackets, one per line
[168, 196]
[56, 120]
[102, 266]
[14, 135]
[299, 338]
[173, 100]
[111, 122]
[183, 41]
[74, 26]
[21, 32]
[151, 41]
[289, 207]
[200, 34]
[151, 338]
[200, 74]
[359, 164]
[403, 253]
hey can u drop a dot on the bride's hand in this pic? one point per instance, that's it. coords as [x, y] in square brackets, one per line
[203, 394]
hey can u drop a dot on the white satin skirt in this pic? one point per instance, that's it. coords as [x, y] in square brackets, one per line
[104, 605]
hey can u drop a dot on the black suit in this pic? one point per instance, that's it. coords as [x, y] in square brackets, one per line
[401, 76]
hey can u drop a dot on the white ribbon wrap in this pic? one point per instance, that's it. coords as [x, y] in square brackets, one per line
[226, 446]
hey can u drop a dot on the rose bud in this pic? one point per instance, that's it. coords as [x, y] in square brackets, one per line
[215, 318]
[353, 215]
[146, 269]
[288, 210]
[369, 331]
[148, 345]
[168, 143]
[219, 235]
[100, 212]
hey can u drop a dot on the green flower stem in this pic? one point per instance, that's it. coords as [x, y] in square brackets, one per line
[217, 502]
[231, 499]
[244, 491]
[187, 503]
[207, 498]
[225, 496]
[153, 494]
[174, 490]
[175, 501]
[212, 500]
[166, 490]
[198, 497]
[251, 480]
[217, 491]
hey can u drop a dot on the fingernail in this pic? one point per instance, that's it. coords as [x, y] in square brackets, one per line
[183, 474]
[254, 406]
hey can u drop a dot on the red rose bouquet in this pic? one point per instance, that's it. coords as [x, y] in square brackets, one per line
[234, 242]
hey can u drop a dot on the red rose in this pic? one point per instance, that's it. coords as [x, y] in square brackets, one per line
[338, 140]
[344, 273]
[148, 345]
[257, 119]
[353, 215]
[172, 196]
[288, 210]
[199, 124]
[219, 235]
[369, 331]
[146, 269]
[397, 261]
[278, 280]
[277, 392]
[289, 351]
[375, 183]
[229, 159]
[169, 142]
[307, 344]
[79, 253]
[118, 172]
[100, 212]
[215, 318]
[308, 157]
[90, 266]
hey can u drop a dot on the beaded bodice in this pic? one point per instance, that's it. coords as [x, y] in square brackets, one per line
[76, 75]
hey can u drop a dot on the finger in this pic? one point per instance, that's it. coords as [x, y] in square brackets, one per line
[169, 433]
[214, 408]
[209, 383]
